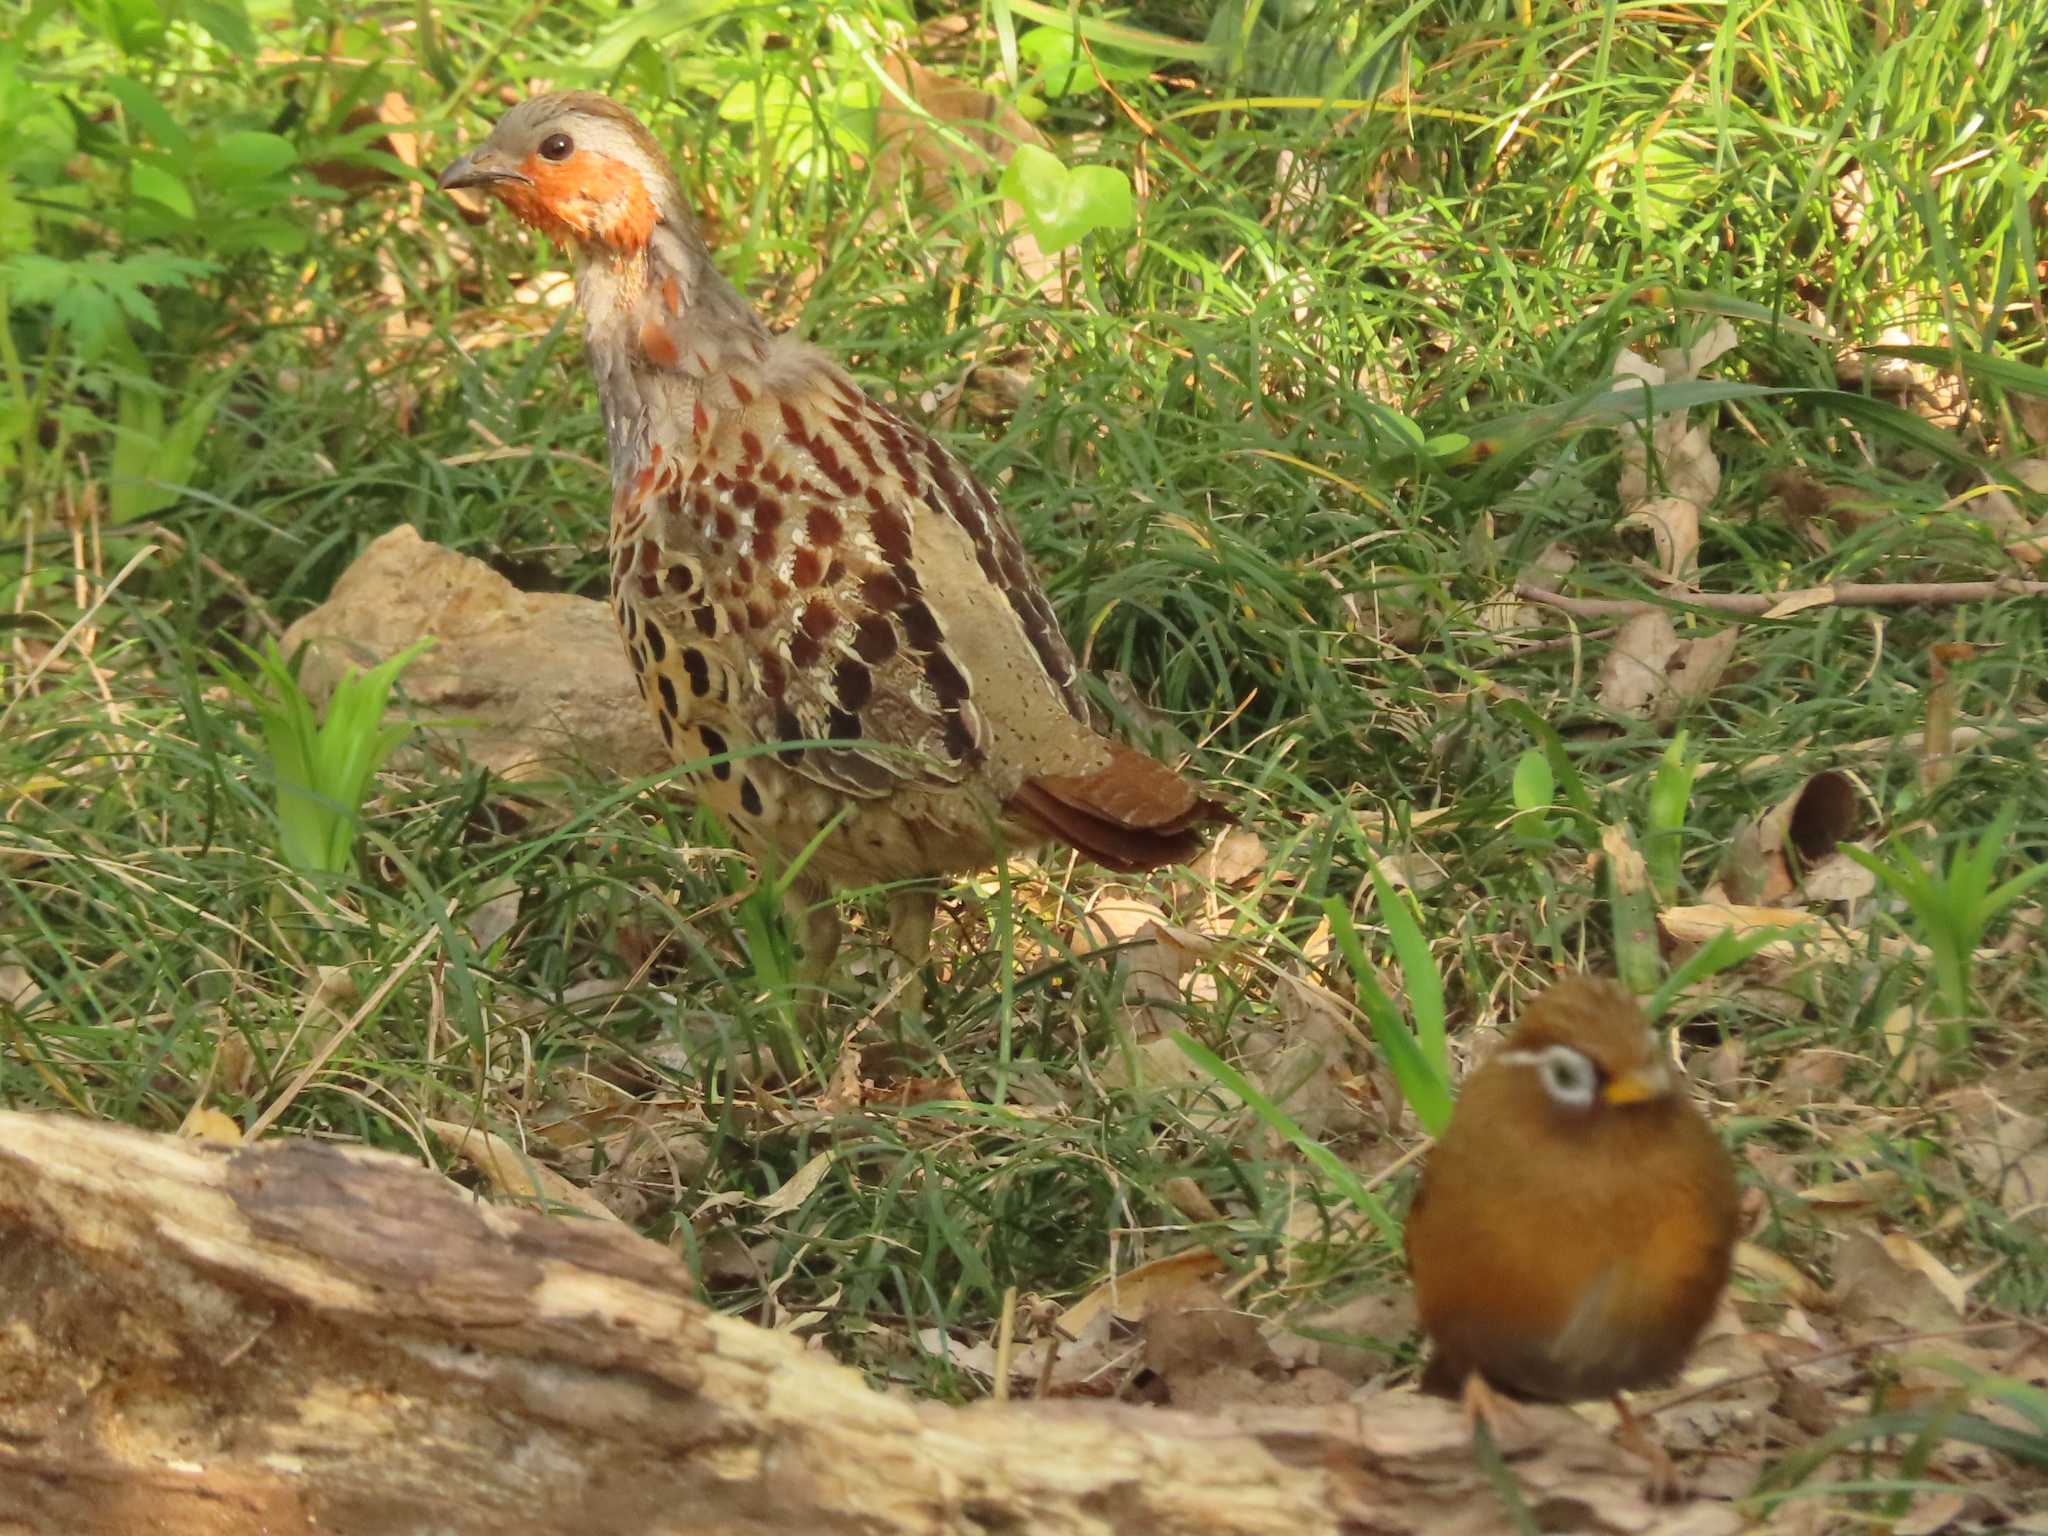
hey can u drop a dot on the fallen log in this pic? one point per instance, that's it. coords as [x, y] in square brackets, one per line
[299, 1337]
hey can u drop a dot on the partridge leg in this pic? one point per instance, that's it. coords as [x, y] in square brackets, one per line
[1483, 1405]
[911, 911]
[1632, 1434]
[815, 915]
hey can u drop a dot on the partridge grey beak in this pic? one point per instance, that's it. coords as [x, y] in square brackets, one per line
[482, 169]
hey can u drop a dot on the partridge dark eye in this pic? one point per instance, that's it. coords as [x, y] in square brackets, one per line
[556, 146]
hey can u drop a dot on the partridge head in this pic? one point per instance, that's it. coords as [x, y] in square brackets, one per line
[833, 622]
[1574, 1226]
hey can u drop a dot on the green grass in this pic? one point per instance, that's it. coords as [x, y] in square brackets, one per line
[1355, 225]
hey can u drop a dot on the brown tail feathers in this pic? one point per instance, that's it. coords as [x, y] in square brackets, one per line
[1131, 815]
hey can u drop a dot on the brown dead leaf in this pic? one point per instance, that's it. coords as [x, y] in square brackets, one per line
[1632, 675]
[18, 989]
[1674, 523]
[844, 1090]
[1767, 858]
[1814, 1075]
[1131, 1294]
[1304, 1061]
[1889, 1281]
[1907, 1040]
[1823, 812]
[799, 1186]
[1695, 673]
[1698, 924]
[510, 1173]
[495, 913]
[1725, 1068]
[1191, 1329]
[1817, 512]
[1188, 1197]
[2006, 1148]
[1688, 470]
[727, 1261]
[1777, 1276]
[908, 1092]
[204, 1123]
[1359, 1339]
[1158, 1062]
[1837, 878]
[1236, 858]
[400, 142]
[1858, 1192]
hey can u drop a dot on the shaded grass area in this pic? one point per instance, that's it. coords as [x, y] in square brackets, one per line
[1357, 235]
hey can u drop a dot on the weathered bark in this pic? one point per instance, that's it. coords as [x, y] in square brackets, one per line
[300, 1337]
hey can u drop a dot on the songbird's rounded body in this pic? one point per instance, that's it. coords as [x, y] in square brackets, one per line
[1574, 1227]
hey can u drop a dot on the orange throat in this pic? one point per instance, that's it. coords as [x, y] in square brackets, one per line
[587, 200]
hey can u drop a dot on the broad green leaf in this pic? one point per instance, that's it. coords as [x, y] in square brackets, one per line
[228, 22]
[162, 188]
[248, 156]
[1062, 205]
[1535, 787]
[146, 112]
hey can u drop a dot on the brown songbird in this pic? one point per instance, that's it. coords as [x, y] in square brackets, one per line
[1575, 1223]
[826, 610]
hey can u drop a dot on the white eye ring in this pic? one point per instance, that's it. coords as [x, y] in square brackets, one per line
[1568, 1076]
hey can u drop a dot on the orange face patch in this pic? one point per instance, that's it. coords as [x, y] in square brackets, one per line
[587, 198]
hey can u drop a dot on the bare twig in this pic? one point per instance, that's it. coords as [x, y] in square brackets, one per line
[1843, 594]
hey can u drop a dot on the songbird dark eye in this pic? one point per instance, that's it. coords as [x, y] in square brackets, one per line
[556, 146]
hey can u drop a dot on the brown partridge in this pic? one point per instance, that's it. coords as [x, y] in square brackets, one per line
[1574, 1227]
[824, 607]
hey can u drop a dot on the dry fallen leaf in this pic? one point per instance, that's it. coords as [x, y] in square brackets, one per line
[1632, 674]
[799, 1186]
[1674, 523]
[2006, 1148]
[1803, 931]
[1813, 1075]
[1837, 877]
[509, 1172]
[203, 1123]
[1187, 1197]
[1777, 1276]
[1191, 1329]
[1695, 672]
[1304, 1060]
[1890, 1281]
[1237, 857]
[1131, 1294]
[1360, 1339]
[1858, 1192]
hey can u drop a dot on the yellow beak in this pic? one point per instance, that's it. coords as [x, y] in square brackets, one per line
[1638, 1087]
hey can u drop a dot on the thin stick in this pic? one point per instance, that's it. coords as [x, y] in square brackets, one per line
[1843, 594]
[1006, 1340]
